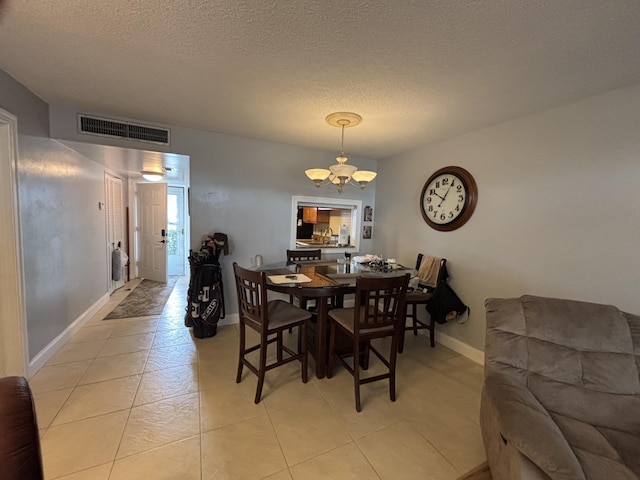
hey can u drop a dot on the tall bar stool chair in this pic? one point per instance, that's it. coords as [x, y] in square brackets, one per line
[432, 271]
[300, 256]
[378, 313]
[269, 319]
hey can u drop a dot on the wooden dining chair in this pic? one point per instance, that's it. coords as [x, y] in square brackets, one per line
[300, 256]
[269, 319]
[421, 296]
[377, 313]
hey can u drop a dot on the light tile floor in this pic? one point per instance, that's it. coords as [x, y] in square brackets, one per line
[141, 398]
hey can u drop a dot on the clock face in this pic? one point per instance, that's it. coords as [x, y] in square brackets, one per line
[448, 198]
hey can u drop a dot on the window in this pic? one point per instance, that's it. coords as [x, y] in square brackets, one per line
[328, 223]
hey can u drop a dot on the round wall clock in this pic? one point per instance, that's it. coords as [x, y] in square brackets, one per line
[448, 198]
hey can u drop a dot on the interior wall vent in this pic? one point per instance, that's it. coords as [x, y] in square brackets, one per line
[113, 128]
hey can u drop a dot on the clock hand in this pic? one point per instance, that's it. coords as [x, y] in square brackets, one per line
[445, 195]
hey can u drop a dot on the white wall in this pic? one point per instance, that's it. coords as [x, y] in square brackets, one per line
[558, 211]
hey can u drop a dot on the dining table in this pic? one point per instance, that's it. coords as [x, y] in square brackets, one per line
[322, 280]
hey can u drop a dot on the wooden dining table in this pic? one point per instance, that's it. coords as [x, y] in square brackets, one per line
[321, 280]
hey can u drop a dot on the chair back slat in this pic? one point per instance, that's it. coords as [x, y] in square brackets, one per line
[252, 289]
[302, 255]
[380, 301]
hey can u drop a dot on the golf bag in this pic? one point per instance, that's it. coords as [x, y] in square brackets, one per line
[206, 300]
[205, 297]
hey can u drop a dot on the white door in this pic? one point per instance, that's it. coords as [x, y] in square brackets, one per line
[152, 231]
[114, 200]
[175, 231]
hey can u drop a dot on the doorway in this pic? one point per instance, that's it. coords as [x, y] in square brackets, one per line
[176, 238]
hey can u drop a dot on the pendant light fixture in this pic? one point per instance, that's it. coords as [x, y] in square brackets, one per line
[341, 174]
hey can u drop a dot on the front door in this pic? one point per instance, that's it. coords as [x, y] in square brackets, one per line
[152, 231]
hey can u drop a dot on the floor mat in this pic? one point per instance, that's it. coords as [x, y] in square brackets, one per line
[148, 298]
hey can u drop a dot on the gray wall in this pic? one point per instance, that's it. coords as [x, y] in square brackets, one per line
[63, 236]
[558, 212]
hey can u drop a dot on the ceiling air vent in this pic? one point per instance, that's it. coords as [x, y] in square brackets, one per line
[114, 128]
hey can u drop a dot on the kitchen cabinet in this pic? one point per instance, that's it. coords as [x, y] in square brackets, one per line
[323, 216]
[315, 215]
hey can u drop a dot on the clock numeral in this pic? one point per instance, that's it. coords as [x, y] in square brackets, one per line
[445, 181]
[437, 184]
[459, 188]
[460, 198]
[428, 200]
[457, 208]
[443, 216]
[450, 214]
[435, 213]
[432, 191]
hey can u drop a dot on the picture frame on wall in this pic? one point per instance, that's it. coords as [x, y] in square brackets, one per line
[368, 214]
[366, 231]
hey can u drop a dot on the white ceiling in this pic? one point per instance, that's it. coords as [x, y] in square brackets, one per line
[417, 71]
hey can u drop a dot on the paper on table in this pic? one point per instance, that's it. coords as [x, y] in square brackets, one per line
[299, 278]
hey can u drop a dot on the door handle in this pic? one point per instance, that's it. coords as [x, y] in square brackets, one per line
[162, 241]
[163, 233]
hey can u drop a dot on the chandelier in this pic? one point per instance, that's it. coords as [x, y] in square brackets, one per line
[341, 174]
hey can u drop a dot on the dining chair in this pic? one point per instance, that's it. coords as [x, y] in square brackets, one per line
[377, 313]
[433, 272]
[300, 256]
[269, 319]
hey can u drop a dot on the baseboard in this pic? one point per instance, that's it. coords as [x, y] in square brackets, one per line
[462, 348]
[57, 343]
[229, 319]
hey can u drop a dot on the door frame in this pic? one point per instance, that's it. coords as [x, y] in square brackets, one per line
[181, 191]
[114, 285]
[13, 318]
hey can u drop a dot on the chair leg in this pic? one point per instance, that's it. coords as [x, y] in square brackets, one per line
[392, 365]
[356, 375]
[302, 348]
[332, 342]
[241, 356]
[432, 332]
[263, 365]
[414, 318]
[403, 325]
[279, 345]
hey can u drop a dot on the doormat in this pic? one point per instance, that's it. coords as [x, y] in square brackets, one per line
[148, 298]
[481, 472]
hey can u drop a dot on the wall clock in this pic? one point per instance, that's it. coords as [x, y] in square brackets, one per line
[448, 198]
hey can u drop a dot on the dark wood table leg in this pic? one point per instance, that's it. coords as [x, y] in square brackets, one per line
[321, 337]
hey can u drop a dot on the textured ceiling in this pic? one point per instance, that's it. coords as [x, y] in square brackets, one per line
[417, 71]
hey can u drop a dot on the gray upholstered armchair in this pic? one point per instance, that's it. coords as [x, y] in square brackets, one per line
[561, 398]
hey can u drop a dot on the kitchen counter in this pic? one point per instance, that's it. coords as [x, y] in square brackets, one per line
[312, 244]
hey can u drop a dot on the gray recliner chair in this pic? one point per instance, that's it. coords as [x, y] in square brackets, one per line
[20, 457]
[561, 397]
